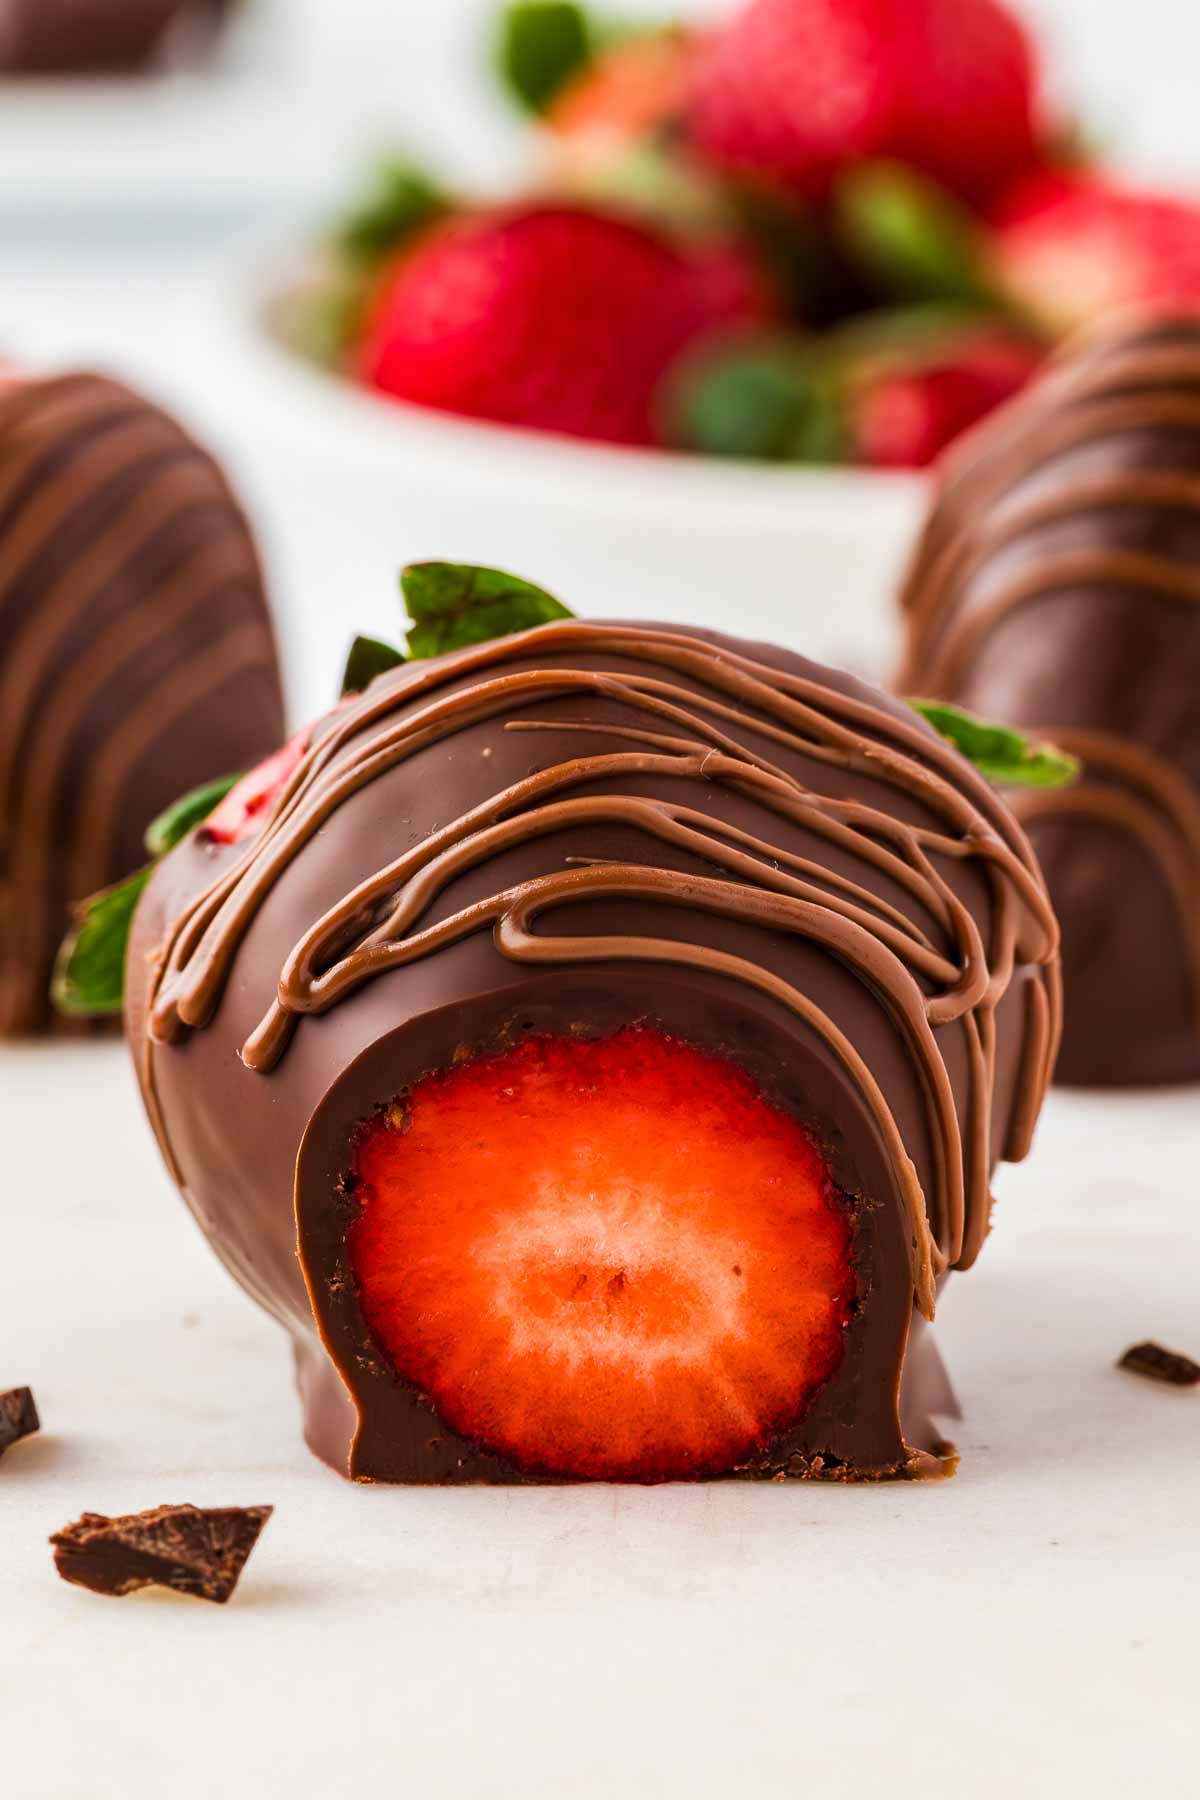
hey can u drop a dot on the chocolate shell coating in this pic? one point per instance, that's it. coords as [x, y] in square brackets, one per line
[1057, 586]
[568, 831]
[136, 653]
[62, 37]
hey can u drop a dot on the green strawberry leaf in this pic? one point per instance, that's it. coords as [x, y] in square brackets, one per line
[89, 972]
[452, 605]
[765, 398]
[368, 658]
[398, 200]
[910, 235]
[541, 45]
[651, 181]
[907, 335]
[1005, 756]
[172, 826]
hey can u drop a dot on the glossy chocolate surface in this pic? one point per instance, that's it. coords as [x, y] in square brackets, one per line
[567, 831]
[1057, 586]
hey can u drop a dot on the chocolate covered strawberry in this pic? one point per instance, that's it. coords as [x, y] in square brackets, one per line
[795, 90]
[1070, 248]
[607, 1258]
[550, 316]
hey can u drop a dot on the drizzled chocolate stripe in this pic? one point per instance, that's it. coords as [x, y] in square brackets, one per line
[923, 979]
[1082, 502]
[123, 556]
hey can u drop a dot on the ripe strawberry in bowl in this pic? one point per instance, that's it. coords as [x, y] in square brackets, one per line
[1071, 247]
[888, 393]
[549, 316]
[796, 90]
[907, 407]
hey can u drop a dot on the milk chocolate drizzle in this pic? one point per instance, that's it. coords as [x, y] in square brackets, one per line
[979, 563]
[921, 983]
[129, 593]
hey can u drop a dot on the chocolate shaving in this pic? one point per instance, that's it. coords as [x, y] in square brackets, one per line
[195, 1550]
[18, 1416]
[1157, 1364]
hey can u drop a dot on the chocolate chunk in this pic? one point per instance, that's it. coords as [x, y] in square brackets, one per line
[1157, 1364]
[18, 1416]
[193, 1549]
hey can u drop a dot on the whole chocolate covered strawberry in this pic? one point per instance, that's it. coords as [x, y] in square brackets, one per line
[1057, 584]
[136, 653]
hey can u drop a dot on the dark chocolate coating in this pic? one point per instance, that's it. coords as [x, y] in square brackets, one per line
[262, 1152]
[1057, 586]
[136, 653]
[67, 37]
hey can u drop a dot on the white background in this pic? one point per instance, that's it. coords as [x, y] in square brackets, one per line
[1030, 1627]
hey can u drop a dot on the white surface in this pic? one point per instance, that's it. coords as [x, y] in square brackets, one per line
[1030, 1627]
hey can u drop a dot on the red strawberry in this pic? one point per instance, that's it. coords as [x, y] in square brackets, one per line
[967, 77]
[1072, 247]
[551, 316]
[245, 804]
[608, 1259]
[794, 90]
[904, 411]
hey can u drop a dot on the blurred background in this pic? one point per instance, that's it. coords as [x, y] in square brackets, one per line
[145, 223]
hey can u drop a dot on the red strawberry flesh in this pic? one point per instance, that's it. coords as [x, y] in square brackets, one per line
[245, 805]
[610, 1259]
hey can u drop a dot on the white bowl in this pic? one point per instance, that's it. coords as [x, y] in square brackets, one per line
[352, 484]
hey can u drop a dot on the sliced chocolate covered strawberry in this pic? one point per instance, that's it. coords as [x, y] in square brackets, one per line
[611, 1258]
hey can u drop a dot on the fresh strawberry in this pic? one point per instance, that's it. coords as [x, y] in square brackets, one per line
[1071, 247]
[967, 79]
[795, 90]
[905, 409]
[610, 1259]
[244, 805]
[627, 92]
[549, 316]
